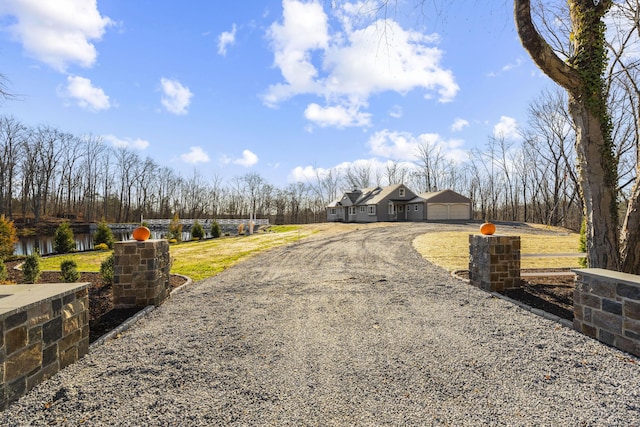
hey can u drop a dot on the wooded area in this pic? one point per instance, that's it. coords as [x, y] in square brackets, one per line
[46, 171]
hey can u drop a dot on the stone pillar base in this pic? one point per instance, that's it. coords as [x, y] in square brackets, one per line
[494, 262]
[141, 273]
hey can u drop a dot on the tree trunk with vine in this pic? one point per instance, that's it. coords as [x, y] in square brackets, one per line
[582, 77]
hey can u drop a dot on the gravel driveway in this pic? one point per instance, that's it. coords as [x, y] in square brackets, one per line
[346, 329]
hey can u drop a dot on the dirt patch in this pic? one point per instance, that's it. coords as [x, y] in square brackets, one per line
[553, 294]
[103, 318]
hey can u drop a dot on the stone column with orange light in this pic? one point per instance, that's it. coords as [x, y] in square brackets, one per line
[141, 273]
[494, 260]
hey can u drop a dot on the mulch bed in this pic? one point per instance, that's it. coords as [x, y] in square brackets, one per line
[103, 318]
[553, 294]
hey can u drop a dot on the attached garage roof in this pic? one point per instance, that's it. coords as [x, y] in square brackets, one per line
[445, 196]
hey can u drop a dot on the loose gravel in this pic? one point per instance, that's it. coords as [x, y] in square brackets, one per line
[349, 329]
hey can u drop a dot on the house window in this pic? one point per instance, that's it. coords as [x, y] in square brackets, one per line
[401, 190]
[332, 211]
[415, 208]
[363, 209]
[352, 210]
[372, 210]
[400, 208]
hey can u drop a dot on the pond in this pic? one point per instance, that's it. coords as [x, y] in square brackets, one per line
[84, 242]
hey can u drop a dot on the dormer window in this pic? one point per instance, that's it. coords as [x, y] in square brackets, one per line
[401, 190]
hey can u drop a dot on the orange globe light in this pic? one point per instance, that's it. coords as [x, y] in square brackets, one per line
[141, 234]
[487, 228]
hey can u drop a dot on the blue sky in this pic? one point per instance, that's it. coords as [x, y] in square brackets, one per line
[283, 88]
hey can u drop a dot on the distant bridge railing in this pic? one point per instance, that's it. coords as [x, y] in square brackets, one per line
[188, 223]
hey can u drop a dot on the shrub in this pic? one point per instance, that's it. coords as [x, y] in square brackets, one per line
[197, 231]
[583, 242]
[31, 268]
[69, 270]
[104, 235]
[101, 247]
[216, 230]
[172, 241]
[63, 241]
[106, 270]
[175, 229]
[3, 271]
[8, 237]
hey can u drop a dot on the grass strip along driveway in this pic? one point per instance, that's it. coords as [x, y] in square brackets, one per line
[448, 249]
[204, 258]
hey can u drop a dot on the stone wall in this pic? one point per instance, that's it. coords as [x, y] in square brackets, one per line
[494, 262]
[43, 328]
[606, 306]
[141, 273]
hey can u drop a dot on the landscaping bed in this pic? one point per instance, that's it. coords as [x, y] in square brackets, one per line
[547, 292]
[102, 316]
[553, 294]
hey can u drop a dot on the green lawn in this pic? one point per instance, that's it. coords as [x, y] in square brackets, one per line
[200, 259]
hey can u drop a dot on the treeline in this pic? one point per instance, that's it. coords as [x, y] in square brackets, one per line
[46, 172]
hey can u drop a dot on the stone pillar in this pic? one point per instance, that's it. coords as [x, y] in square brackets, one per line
[43, 329]
[606, 306]
[141, 273]
[494, 262]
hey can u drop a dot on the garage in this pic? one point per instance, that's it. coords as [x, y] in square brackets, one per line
[437, 211]
[446, 205]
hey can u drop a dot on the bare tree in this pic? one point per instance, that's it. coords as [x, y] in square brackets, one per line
[581, 75]
[12, 140]
[431, 162]
[358, 176]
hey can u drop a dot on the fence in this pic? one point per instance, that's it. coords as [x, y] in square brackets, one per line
[188, 223]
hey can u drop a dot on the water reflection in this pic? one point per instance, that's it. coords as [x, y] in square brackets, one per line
[84, 242]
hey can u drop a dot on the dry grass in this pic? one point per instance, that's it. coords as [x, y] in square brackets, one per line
[450, 250]
[206, 258]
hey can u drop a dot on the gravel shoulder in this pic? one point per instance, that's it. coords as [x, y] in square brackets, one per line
[349, 328]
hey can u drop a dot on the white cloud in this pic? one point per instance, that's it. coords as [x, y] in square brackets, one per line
[405, 146]
[58, 33]
[396, 112]
[348, 64]
[506, 128]
[85, 94]
[226, 39]
[247, 160]
[506, 68]
[338, 116]
[136, 144]
[195, 155]
[459, 124]
[376, 166]
[306, 174]
[176, 97]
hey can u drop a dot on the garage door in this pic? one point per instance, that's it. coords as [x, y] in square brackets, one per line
[459, 211]
[437, 211]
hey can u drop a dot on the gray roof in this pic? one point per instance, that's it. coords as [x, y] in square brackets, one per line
[382, 194]
[444, 196]
[374, 195]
